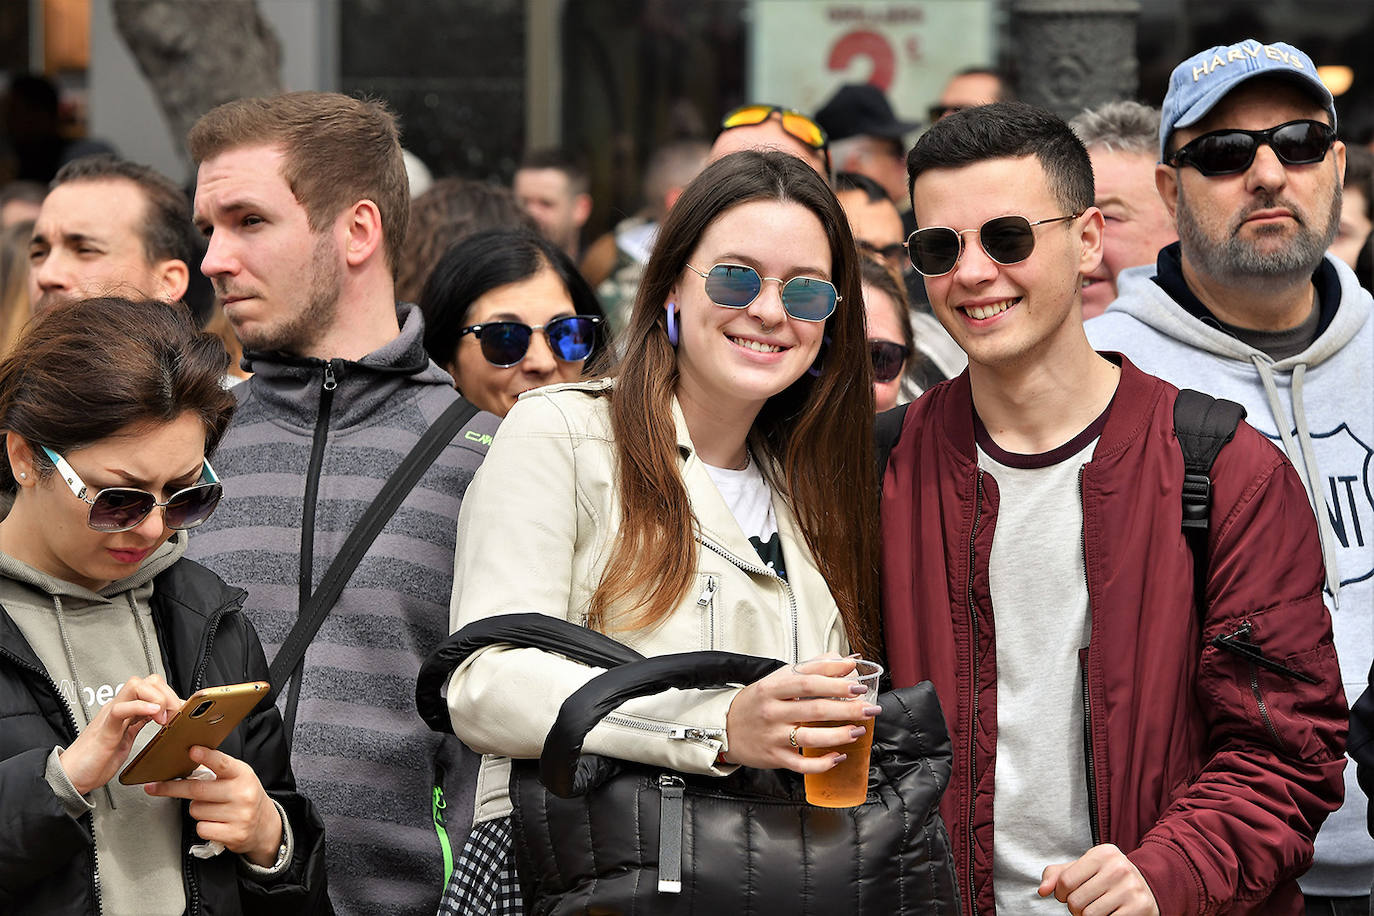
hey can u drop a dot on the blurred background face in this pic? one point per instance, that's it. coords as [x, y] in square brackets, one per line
[1137, 224]
[549, 199]
[1354, 227]
[88, 241]
[880, 312]
[533, 301]
[877, 225]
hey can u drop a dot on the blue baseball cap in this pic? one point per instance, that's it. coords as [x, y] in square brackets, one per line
[1203, 80]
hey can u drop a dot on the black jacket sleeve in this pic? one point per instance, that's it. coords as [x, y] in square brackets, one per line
[37, 835]
[1361, 745]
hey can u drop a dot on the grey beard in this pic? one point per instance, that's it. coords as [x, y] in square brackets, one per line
[1239, 259]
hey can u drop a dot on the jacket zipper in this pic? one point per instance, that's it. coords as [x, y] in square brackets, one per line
[707, 602]
[1088, 758]
[973, 663]
[761, 570]
[675, 732]
[70, 721]
[329, 382]
[1239, 643]
[198, 681]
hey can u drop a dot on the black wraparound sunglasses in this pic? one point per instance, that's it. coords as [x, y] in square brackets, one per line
[1231, 151]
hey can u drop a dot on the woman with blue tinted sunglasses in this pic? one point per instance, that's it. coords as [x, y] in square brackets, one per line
[716, 492]
[506, 311]
[108, 409]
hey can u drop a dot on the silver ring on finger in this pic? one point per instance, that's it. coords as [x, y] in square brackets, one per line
[792, 738]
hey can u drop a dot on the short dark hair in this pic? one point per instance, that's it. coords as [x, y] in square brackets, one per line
[561, 160]
[91, 368]
[1008, 130]
[168, 232]
[485, 261]
[853, 181]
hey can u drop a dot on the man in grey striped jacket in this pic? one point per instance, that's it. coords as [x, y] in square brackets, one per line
[304, 200]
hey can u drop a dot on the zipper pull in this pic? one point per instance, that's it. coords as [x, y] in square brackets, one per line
[706, 593]
[330, 383]
[670, 834]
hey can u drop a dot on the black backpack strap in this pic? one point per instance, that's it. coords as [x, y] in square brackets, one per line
[1203, 425]
[887, 429]
[435, 439]
[532, 631]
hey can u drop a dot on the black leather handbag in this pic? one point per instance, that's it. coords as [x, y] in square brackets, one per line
[599, 835]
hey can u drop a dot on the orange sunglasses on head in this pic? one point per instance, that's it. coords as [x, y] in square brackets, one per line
[794, 122]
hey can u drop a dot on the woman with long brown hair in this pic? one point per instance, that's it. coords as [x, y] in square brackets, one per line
[716, 492]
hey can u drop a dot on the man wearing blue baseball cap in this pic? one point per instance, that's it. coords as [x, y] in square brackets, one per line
[1249, 306]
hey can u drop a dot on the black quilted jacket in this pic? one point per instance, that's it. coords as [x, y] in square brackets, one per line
[47, 858]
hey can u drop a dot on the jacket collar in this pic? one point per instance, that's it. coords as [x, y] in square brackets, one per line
[717, 523]
[291, 386]
[1132, 409]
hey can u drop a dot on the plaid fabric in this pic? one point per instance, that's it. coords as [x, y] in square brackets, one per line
[484, 881]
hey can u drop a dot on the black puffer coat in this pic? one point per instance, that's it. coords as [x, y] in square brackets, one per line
[47, 857]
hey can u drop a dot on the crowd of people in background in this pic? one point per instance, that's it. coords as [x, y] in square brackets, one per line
[846, 383]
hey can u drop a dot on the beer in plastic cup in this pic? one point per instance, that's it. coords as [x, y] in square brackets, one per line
[846, 785]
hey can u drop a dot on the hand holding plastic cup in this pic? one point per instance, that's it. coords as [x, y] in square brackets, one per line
[846, 784]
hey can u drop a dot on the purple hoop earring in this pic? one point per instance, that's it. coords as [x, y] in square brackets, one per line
[819, 362]
[672, 323]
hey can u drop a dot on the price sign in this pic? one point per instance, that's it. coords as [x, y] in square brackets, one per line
[801, 51]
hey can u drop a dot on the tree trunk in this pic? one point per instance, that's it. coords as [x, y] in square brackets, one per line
[197, 54]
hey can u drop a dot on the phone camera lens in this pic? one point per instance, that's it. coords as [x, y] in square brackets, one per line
[201, 709]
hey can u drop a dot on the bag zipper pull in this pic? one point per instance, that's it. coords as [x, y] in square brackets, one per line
[670, 834]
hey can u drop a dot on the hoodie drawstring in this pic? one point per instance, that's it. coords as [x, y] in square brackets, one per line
[76, 678]
[1310, 473]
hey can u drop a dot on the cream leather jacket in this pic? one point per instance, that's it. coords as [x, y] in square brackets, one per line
[534, 534]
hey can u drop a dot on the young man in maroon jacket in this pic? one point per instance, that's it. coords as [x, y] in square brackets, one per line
[1117, 748]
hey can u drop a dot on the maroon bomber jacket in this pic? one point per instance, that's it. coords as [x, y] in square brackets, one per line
[1211, 769]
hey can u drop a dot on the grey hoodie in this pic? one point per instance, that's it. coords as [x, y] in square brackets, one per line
[1318, 407]
[91, 643]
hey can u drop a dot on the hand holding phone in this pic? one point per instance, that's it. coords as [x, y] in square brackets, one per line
[96, 754]
[206, 719]
[233, 808]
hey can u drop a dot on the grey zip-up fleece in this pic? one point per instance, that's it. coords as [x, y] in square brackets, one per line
[1317, 407]
[310, 446]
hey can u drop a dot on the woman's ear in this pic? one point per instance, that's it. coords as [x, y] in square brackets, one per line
[20, 455]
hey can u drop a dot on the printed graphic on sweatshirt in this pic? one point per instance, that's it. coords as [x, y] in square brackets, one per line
[1343, 461]
[92, 698]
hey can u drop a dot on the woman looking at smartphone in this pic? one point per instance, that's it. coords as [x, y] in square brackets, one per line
[717, 492]
[109, 410]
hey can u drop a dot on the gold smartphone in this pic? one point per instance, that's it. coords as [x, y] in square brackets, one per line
[208, 717]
